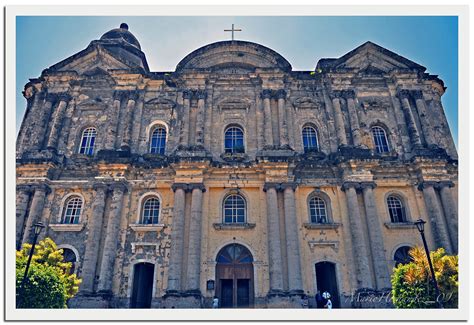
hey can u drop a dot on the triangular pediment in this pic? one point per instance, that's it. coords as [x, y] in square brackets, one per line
[97, 56]
[372, 59]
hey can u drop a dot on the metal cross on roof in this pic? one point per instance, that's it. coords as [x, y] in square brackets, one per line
[232, 30]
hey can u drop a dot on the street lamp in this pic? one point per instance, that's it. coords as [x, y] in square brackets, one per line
[37, 227]
[420, 225]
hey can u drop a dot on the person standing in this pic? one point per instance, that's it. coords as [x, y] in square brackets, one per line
[215, 302]
[319, 300]
[327, 296]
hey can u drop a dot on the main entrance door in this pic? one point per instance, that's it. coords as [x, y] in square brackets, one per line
[234, 277]
[326, 281]
[142, 285]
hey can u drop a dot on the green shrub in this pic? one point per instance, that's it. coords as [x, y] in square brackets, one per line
[49, 283]
[412, 286]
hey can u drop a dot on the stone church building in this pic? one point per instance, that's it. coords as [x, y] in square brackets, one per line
[234, 175]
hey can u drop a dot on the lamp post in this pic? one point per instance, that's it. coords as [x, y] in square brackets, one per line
[37, 229]
[420, 225]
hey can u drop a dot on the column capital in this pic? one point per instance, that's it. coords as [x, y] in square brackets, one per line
[280, 94]
[182, 186]
[201, 94]
[348, 93]
[100, 186]
[337, 94]
[364, 185]
[196, 186]
[65, 97]
[118, 187]
[350, 184]
[24, 188]
[426, 184]
[42, 187]
[403, 93]
[269, 185]
[266, 94]
[187, 93]
[417, 94]
[291, 186]
[133, 95]
[51, 97]
[442, 184]
[120, 94]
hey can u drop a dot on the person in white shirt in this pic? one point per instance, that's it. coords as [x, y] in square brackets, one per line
[215, 302]
[327, 296]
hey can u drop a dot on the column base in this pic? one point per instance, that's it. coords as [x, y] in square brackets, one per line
[182, 299]
[90, 300]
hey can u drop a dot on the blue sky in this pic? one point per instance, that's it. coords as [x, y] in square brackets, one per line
[429, 41]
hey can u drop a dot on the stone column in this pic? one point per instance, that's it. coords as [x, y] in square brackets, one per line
[208, 119]
[38, 136]
[187, 95]
[91, 254]
[349, 95]
[194, 250]
[267, 117]
[438, 227]
[111, 238]
[58, 117]
[361, 253]
[177, 239]
[281, 97]
[450, 212]
[410, 119]
[36, 210]
[22, 199]
[127, 129]
[295, 281]
[377, 247]
[424, 118]
[274, 242]
[339, 120]
[201, 95]
[112, 126]
[32, 96]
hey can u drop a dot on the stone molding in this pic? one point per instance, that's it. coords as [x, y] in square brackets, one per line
[143, 244]
[61, 227]
[233, 226]
[146, 228]
[324, 243]
[399, 225]
[331, 225]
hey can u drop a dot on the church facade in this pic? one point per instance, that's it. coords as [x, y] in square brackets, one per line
[234, 176]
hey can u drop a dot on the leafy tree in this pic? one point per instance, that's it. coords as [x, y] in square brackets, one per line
[412, 286]
[49, 283]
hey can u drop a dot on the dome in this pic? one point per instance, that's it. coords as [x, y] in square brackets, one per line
[121, 33]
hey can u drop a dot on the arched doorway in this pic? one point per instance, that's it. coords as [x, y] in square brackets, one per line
[70, 256]
[234, 277]
[142, 285]
[326, 281]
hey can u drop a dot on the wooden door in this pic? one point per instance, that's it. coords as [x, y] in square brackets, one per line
[234, 277]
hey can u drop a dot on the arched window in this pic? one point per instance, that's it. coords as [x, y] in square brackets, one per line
[72, 210]
[158, 140]
[402, 255]
[380, 139]
[310, 139]
[317, 210]
[234, 209]
[234, 140]
[88, 141]
[151, 211]
[396, 209]
[70, 256]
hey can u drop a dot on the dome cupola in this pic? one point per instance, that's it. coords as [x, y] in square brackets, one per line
[121, 34]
